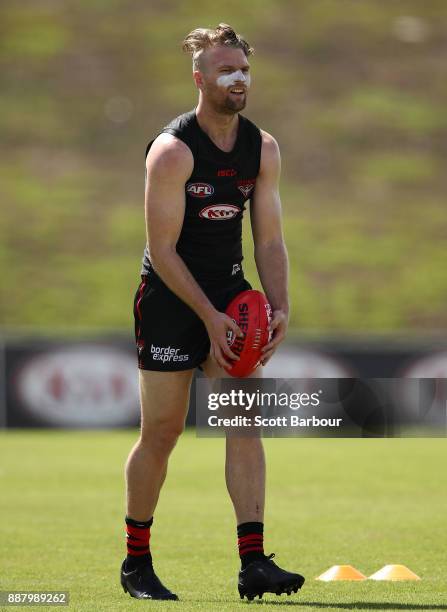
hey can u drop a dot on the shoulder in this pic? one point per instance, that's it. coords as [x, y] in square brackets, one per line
[269, 144]
[180, 127]
[270, 154]
[169, 154]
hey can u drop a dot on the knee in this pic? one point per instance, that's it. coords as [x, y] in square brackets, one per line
[161, 436]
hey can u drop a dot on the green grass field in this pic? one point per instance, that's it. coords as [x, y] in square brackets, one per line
[358, 112]
[363, 502]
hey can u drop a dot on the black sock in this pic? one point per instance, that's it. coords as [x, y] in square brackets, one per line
[250, 541]
[138, 535]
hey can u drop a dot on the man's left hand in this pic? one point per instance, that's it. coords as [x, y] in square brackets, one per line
[278, 327]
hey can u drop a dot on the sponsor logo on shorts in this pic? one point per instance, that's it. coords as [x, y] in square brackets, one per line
[227, 172]
[246, 186]
[219, 212]
[236, 269]
[199, 190]
[167, 353]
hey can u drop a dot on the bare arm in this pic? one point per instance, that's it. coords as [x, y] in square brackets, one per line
[270, 249]
[168, 166]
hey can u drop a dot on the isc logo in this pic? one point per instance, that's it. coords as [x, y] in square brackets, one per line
[227, 172]
[200, 190]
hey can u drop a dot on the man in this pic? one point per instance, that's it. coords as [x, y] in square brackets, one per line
[200, 170]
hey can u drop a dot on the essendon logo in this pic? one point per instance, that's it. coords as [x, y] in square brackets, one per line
[199, 190]
[219, 212]
[227, 172]
[246, 186]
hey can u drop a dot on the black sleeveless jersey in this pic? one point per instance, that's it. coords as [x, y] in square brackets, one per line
[210, 242]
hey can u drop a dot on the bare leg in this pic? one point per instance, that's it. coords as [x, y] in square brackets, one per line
[245, 478]
[244, 465]
[164, 405]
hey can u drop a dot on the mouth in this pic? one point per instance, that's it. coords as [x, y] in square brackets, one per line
[237, 91]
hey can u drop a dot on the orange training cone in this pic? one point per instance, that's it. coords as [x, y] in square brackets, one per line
[341, 572]
[394, 572]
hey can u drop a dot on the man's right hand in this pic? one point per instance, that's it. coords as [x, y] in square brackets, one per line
[217, 325]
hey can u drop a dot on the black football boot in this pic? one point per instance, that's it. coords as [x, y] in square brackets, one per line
[264, 576]
[143, 583]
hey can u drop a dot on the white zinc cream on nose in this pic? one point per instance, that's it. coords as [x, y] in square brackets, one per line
[227, 80]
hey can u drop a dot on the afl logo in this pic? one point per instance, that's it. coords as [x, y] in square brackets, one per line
[200, 190]
[219, 212]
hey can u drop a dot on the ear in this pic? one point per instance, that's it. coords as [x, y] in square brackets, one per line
[198, 79]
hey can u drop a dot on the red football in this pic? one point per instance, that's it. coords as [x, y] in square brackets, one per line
[252, 313]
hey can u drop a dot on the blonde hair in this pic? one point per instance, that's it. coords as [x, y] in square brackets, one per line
[202, 38]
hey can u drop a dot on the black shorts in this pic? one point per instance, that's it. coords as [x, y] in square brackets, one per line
[169, 335]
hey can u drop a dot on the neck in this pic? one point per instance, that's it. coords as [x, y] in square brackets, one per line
[219, 126]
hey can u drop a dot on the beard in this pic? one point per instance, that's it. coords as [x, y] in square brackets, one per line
[234, 105]
[229, 105]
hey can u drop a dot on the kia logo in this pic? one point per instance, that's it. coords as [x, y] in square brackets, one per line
[426, 398]
[433, 365]
[83, 386]
[200, 190]
[219, 212]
